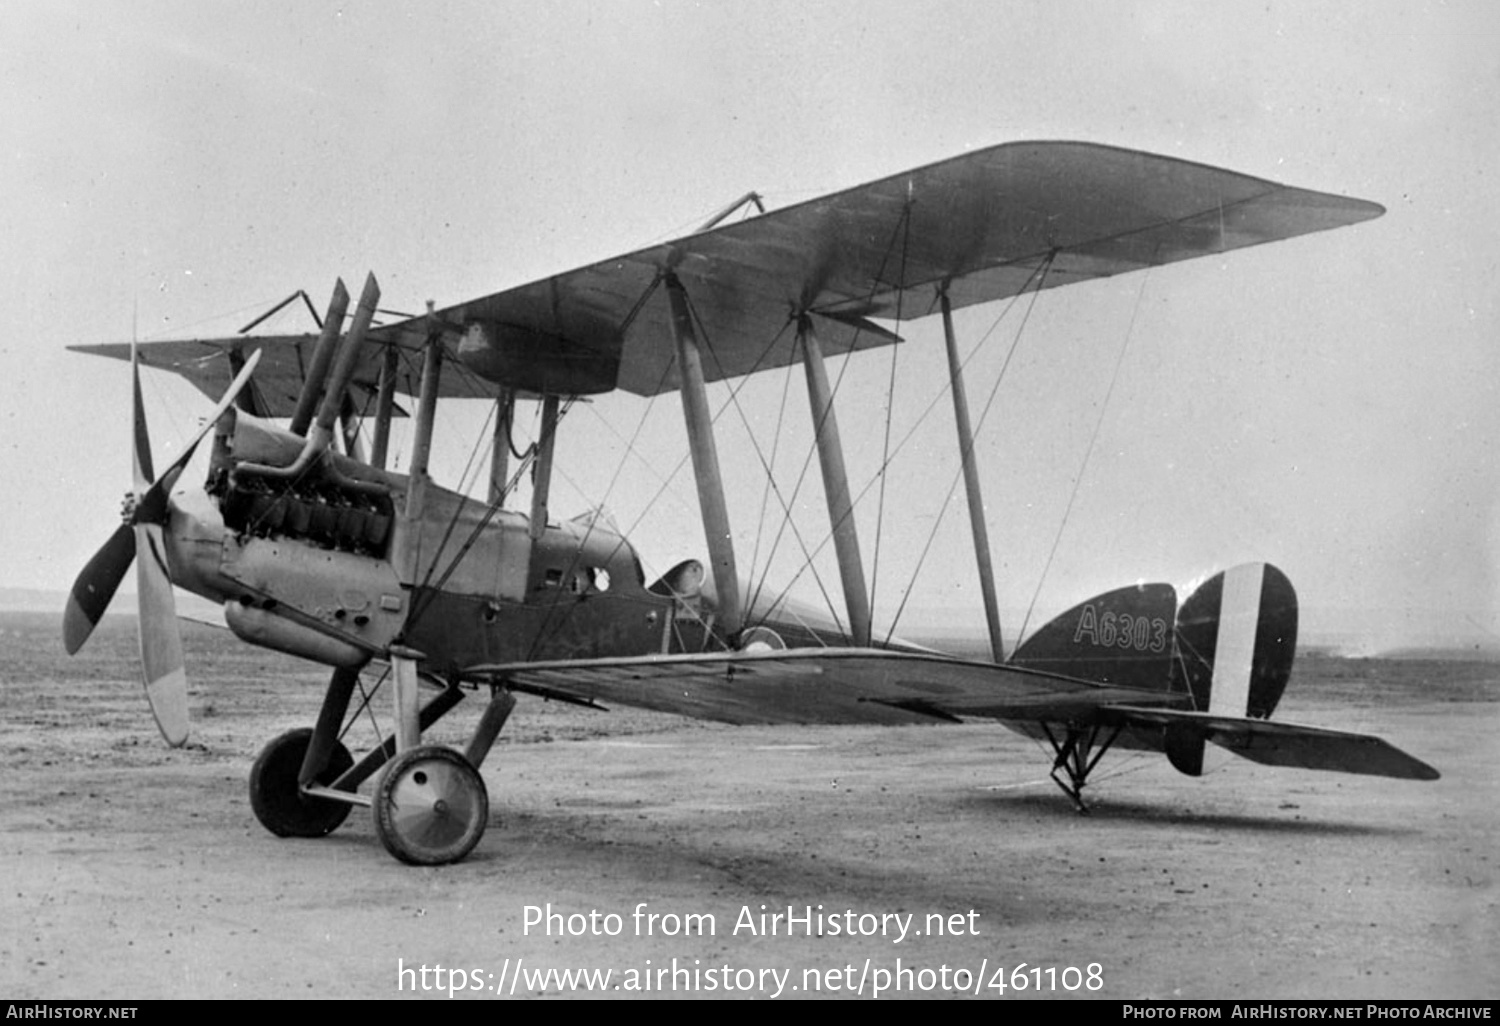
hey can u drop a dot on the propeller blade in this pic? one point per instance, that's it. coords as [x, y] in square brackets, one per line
[141, 450]
[161, 641]
[152, 507]
[95, 586]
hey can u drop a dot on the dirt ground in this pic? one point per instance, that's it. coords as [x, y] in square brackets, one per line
[131, 871]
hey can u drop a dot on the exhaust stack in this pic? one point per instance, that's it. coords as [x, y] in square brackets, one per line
[312, 388]
[321, 435]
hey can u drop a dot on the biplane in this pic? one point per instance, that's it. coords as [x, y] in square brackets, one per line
[315, 547]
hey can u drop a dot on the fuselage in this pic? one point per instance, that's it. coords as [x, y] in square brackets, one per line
[328, 565]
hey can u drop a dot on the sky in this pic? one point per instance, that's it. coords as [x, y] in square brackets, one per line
[1328, 404]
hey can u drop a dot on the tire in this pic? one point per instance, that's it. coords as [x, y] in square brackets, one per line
[277, 801]
[431, 807]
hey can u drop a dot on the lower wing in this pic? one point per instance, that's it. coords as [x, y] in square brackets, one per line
[826, 685]
[847, 685]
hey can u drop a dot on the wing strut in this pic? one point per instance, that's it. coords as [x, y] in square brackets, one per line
[349, 425]
[971, 483]
[409, 560]
[541, 477]
[246, 399]
[385, 401]
[700, 431]
[505, 409]
[835, 484]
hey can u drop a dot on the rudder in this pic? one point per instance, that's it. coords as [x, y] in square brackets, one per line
[1236, 640]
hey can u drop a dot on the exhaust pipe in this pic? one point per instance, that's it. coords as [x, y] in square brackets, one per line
[348, 357]
[328, 341]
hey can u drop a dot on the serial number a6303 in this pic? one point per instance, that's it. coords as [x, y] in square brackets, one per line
[1121, 630]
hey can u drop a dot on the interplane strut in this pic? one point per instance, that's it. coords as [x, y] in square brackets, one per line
[971, 484]
[705, 456]
[835, 484]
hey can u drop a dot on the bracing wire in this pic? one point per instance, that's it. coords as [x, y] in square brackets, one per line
[553, 621]
[765, 492]
[901, 229]
[927, 411]
[1087, 455]
[666, 483]
[733, 400]
[890, 407]
[1040, 276]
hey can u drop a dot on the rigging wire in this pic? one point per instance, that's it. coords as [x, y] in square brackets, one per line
[890, 402]
[931, 405]
[755, 445]
[1087, 455]
[458, 508]
[528, 459]
[666, 483]
[366, 697]
[877, 280]
[1041, 280]
[629, 443]
[543, 633]
[225, 315]
[765, 492]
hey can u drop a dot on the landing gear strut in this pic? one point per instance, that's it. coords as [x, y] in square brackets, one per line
[430, 804]
[1077, 755]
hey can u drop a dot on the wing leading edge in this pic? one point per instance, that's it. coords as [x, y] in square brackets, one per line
[983, 226]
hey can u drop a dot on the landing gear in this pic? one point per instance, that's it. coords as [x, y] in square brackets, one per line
[429, 802]
[1077, 755]
[431, 806]
[277, 799]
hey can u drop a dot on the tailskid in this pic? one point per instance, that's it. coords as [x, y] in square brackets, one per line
[1077, 754]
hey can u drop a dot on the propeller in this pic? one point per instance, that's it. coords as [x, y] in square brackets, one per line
[141, 535]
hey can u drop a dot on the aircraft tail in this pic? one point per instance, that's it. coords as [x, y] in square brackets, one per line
[1227, 653]
[1236, 639]
[1122, 637]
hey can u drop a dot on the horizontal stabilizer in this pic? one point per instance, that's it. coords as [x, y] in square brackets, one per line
[1286, 744]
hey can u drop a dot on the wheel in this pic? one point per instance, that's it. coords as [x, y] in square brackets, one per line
[279, 804]
[431, 806]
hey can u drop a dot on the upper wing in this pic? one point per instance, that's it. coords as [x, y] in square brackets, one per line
[826, 685]
[981, 225]
[209, 364]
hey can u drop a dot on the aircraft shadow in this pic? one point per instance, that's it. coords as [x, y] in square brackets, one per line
[1136, 813]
